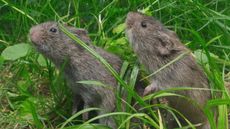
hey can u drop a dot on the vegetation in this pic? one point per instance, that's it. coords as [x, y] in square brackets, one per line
[33, 92]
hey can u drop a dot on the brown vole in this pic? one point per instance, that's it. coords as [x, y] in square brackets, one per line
[79, 65]
[156, 46]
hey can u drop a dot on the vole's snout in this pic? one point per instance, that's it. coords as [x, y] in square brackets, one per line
[35, 34]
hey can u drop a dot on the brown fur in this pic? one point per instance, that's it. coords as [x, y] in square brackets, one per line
[80, 65]
[156, 46]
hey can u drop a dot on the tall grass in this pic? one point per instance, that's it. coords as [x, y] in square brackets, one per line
[33, 92]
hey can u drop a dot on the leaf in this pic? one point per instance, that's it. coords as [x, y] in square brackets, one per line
[16, 51]
[222, 47]
[116, 50]
[146, 11]
[1, 61]
[11, 94]
[89, 126]
[132, 82]
[28, 112]
[41, 60]
[202, 57]
[94, 83]
[76, 115]
[121, 41]
[119, 28]
[213, 39]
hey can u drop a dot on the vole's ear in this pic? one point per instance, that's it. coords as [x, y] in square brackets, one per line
[167, 45]
[80, 31]
[164, 46]
[82, 34]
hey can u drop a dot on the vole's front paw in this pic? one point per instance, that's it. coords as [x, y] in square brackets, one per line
[150, 89]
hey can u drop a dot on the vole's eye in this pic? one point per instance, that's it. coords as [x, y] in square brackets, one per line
[143, 24]
[53, 30]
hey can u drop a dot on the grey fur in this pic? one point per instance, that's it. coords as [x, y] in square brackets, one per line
[155, 46]
[80, 65]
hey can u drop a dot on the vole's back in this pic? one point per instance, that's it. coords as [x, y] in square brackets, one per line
[88, 68]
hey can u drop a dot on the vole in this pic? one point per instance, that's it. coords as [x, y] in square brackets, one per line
[79, 65]
[155, 46]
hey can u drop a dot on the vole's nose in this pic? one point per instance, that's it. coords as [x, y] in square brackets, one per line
[35, 34]
[32, 31]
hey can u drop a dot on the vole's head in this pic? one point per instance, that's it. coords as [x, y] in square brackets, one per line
[142, 23]
[147, 34]
[53, 43]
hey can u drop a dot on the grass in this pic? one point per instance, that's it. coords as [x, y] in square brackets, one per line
[33, 93]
